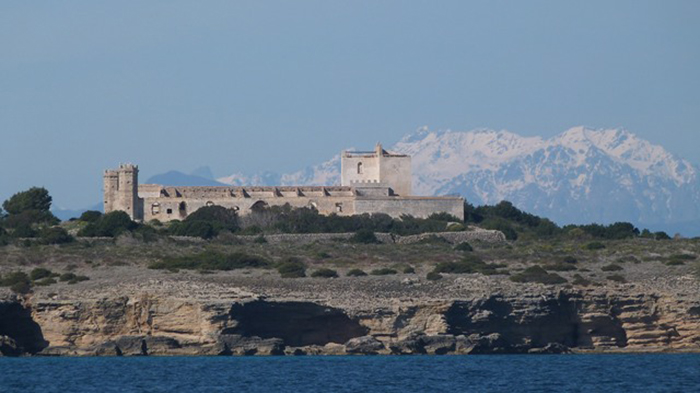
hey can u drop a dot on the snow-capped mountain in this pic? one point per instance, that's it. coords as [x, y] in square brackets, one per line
[580, 176]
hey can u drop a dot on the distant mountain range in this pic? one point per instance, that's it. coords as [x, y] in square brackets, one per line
[580, 176]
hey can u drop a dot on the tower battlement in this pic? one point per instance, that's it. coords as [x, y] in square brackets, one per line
[377, 166]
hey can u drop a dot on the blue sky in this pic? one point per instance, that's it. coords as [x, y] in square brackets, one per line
[279, 85]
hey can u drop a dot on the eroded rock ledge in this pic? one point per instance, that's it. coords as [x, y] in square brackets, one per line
[536, 320]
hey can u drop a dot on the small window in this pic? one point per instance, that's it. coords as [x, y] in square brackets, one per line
[155, 208]
[169, 211]
[183, 206]
[359, 168]
[339, 207]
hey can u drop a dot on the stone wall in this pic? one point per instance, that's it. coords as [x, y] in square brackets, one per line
[420, 207]
[482, 235]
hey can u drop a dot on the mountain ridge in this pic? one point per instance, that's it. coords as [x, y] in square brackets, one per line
[581, 175]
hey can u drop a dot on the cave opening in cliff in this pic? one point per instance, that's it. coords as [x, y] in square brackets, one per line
[297, 323]
[16, 323]
[521, 324]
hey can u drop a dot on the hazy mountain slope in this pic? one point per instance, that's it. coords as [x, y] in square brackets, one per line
[176, 178]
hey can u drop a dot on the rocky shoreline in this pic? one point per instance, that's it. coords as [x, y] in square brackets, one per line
[260, 315]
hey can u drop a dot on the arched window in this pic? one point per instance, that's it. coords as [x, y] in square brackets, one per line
[359, 168]
[259, 206]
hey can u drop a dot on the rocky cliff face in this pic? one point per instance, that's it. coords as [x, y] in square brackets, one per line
[197, 321]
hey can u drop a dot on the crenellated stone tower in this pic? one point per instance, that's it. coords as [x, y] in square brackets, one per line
[377, 168]
[121, 190]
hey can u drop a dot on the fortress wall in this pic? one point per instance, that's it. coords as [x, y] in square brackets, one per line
[166, 208]
[417, 206]
[173, 209]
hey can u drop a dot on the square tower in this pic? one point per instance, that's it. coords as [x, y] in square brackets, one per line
[376, 168]
[121, 190]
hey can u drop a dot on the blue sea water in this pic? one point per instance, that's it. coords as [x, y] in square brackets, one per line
[574, 373]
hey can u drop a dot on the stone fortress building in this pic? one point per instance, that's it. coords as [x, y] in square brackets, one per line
[371, 182]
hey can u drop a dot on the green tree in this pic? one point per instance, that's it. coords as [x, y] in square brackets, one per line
[36, 198]
[27, 208]
[219, 217]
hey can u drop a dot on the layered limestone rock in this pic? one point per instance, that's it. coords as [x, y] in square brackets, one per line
[535, 319]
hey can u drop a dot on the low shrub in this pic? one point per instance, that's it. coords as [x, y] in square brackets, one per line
[78, 279]
[628, 258]
[433, 276]
[385, 271]
[72, 278]
[569, 259]
[45, 282]
[67, 276]
[212, 260]
[291, 267]
[611, 268]
[323, 255]
[111, 224]
[4, 237]
[55, 235]
[21, 287]
[24, 231]
[90, 216]
[364, 236]
[595, 246]
[455, 227]
[674, 262]
[260, 240]
[409, 270]
[560, 267]
[39, 273]
[539, 275]
[616, 278]
[194, 228]
[464, 246]
[683, 257]
[18, 282]
[502, 225]
[580, 280]
[325, 273]
[355, 273]
[469, 265]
